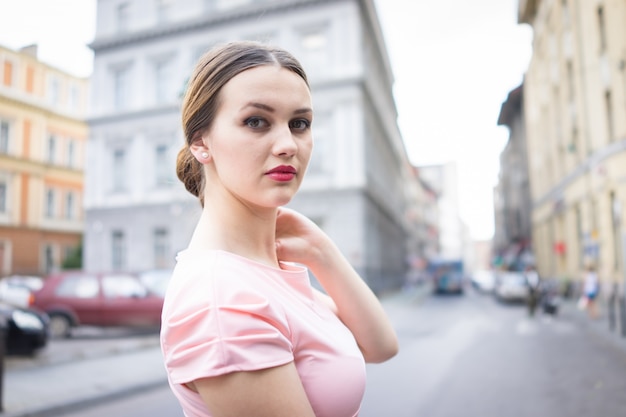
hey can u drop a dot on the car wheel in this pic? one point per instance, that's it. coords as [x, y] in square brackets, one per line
[60, 326]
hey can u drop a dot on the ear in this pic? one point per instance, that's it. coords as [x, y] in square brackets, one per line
[200, 150]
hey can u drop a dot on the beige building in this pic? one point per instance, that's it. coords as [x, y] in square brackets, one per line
[575, 109]
[42, 145]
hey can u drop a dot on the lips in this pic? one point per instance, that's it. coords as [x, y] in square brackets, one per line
[282, 173]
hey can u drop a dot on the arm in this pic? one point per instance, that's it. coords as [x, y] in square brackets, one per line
[299, 240]
[272, 392]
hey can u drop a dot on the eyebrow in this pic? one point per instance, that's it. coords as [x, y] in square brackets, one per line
[271, 109]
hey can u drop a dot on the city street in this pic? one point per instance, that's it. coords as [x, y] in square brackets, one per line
[468, 356]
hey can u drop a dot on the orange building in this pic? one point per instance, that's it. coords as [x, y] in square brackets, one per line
[43, 134]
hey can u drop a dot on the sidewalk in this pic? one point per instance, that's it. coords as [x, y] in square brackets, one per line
[599, 327]
[53, 384]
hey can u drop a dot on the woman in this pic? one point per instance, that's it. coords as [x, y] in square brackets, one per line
[243, 332]
[591, 287]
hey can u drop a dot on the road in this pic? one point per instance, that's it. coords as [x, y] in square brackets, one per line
[469, 356]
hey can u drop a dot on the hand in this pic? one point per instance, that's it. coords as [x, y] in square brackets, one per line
[298, 239]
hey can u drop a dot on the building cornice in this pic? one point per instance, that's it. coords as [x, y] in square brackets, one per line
[134, 114]
[227, 17]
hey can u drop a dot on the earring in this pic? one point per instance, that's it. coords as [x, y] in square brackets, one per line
[205, 155]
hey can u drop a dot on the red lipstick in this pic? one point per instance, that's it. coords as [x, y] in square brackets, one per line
[282, 173]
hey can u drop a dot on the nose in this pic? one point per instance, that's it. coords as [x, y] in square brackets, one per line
[285, 143]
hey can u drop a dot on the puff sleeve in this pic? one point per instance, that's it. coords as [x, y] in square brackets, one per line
[222, 326]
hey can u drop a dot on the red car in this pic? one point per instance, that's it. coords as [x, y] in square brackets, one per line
[97, 299]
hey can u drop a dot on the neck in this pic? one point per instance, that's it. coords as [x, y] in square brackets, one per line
[239, 229]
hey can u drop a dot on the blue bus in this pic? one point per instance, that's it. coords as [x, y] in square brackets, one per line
[448, 276]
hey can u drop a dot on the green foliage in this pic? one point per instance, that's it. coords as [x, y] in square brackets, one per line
[75, 259]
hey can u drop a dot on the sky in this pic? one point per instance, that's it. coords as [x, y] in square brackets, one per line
[454, 62]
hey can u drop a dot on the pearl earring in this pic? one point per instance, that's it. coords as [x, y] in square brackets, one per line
[205, 155]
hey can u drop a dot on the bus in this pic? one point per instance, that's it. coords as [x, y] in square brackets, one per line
[448, 276]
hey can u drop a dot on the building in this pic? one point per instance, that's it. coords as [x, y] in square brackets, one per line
[454, 241]
[42, 144]
[139, 216]
[422, 217]
[575, 110]
[512, 240]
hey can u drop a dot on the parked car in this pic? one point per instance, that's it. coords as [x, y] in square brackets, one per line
[511, 286]
[97, 299]
[26, 329]
[17, 289]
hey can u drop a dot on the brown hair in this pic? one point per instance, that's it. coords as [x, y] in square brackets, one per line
[201, 101]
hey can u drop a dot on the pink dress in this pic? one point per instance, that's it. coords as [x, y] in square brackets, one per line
[226, 313]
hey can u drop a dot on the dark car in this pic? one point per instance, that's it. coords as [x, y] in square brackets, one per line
[97, 299]
[26, 329]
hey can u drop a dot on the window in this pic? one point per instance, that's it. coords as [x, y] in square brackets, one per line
[162, 80]
[570, 81]
[50, 203]
[118, 250]
[609, 115]
[616, 220]
[566, 14]
[164, 8]
[314, 45]
[119, 169]
[69, 205]
[161, 166]
[122, 17]
[7, 79]
[321, 157]
[120, 88]
[601, 29]
[48, 259]
[30, 79]
[71, 151]
[161, 248]
[52, 144]
[73, 97]
[4, 136]
[5, 257]
[53, 90]
[3, 196]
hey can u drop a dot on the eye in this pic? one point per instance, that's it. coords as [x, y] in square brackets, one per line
[256, 123]
[299, 124]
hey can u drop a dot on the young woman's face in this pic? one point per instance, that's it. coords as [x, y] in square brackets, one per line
[261, 141]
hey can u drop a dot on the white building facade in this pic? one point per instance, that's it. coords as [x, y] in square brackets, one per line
[138, 215]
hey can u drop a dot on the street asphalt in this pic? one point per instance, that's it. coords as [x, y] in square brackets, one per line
[62, 380]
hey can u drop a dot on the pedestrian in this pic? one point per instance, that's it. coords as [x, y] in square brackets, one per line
[243, 331]
[533, 282]
[590, 290]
